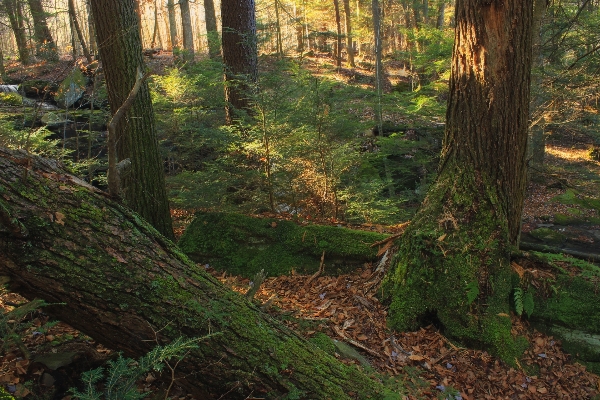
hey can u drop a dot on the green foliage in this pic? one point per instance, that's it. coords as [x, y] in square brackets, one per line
[14, 323]
[11, 99]
[120, 377]
[518, 298]
[472, 291]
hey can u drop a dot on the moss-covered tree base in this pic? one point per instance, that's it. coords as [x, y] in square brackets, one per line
[244, 245]
[453, 267]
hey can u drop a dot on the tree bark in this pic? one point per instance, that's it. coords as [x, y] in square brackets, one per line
[349, 42]
[128, 287]
[172, 24]
[91, 29]
[15, 18]
[188, 32]
[75, 22]
[239, 54]
[143, 186]
[46, 47]
[453, 263]
[214, 43]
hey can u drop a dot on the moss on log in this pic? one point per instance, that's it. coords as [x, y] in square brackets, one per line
[128, 287]
[244, 245]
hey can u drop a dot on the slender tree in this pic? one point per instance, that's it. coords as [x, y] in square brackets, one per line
[338, 39]
[349, 41]
[172, 24]
[15, 18]
[239, 54]
[453, 262]
[214, 43]
[142, 186]
[186, 27]
[45, 45]
[78, 31]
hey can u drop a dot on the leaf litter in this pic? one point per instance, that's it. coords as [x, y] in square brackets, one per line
[346, 309]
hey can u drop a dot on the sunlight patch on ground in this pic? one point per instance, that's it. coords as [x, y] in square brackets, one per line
[569, 153]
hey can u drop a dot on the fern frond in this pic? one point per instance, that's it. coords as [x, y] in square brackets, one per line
[518, 297]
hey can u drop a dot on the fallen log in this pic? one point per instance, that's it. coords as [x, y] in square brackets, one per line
[128, 287]
[243, 245]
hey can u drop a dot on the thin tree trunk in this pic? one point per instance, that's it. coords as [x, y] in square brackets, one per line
[108, 273]
[441, 14]
[46, 47]
[214, 42]
[155, 29]
[75, 22]
[138, 13]
[279, 44]
[91, 29]
[188, 32]
[378, 61]
[338, 40]
[15, 18]
[172, 24]
[349, 41]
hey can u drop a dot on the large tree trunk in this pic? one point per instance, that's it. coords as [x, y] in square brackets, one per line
[126, 286]
[212, 34]
[15, 17]
[453, 262]
[45, 48]
[143, 184]
[239, 54]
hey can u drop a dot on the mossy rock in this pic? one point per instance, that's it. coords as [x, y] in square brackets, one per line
[572, 197]
[548, 235]
[323, 342]
[39, 89]
[564, 219]
[244, 245]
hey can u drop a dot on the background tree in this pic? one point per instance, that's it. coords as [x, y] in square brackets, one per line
[349, 41]
[15, 17]
[172, 23]
[45, 46]
[187, 30]
[121, 53]
[453, 262]
[239, 53]
[212, 35]
[78, 31]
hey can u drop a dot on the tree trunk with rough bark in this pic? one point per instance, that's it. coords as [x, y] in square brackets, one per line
[214, 42]
[15, 18]
[142, 185]
[239, 54]
[126, 286]
[453, 263]
[45, 45]
[187, 31]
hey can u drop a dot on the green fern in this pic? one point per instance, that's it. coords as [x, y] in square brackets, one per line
[528, 303]
[123, 373]
[472, 292]
[518, 297]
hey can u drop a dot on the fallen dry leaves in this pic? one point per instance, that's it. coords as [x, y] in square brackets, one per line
[345, 308]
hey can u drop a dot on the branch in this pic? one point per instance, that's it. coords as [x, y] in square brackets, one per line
[114, 181]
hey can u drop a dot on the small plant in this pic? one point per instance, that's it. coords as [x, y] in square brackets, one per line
[119, 379]
[523, 301]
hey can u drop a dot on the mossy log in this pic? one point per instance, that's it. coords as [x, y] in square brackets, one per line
[126, 286]
[244, 245]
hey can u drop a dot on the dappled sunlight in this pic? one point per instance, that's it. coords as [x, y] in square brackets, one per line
[570, 154]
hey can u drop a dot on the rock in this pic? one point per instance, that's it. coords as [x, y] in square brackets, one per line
[548, 235]
[71, 89]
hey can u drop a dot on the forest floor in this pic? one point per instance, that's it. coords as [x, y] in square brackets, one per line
[420, 365]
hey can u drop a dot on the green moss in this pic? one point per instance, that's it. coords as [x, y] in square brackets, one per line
[452, 268]
[573, 197]
[563, 219]
[323, 342]
[243, 245]
[548, 235]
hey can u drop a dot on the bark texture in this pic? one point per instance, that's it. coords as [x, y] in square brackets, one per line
[239, 54]
[120, 48]
[78, 31]
[125, 285]
[453, 263]
[45, 45]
